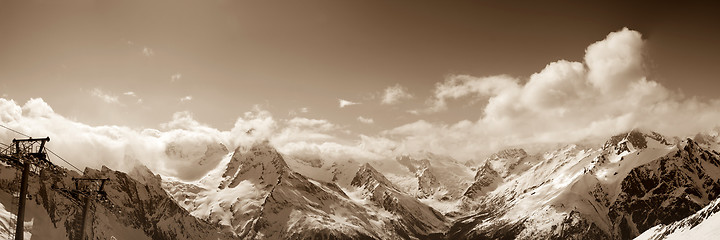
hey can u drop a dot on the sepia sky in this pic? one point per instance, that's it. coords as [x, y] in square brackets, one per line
[365, 74]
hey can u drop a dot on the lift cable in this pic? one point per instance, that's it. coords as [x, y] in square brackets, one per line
[14, 130]
[48, 149]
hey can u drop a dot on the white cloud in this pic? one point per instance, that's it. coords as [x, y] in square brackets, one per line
[365, 120]
[96, 92]
[122, 148]
[460, 86]
[294, 112]
[148, 52]
[186, 98]
[130, 94]
[344, 103]
[175, 77]
[394, 94]
[563, 103]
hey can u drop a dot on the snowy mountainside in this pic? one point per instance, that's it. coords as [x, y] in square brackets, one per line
[440, 178]
[635, 181]
[200, 157]
[584, 192]
[418, 218]
[257, 195]
[701, 225]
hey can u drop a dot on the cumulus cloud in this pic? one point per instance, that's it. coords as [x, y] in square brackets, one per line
[460, 86]
[106, 97]
[564, 102]
[130, 94]
[122, 148]
[178, 147]
[394, 94]
[344, 103]
[365, 120]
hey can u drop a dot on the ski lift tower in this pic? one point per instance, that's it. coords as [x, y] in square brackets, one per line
[25, 154]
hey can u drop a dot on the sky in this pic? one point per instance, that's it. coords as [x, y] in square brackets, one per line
[352, 79]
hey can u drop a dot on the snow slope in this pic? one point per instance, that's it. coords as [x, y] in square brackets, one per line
[635, 181]
[704, 224]
[257, 195]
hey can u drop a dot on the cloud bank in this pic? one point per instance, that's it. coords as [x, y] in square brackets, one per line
[565, 102]
[182, 147]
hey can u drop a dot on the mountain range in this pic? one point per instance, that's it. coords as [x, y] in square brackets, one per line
[637, 184]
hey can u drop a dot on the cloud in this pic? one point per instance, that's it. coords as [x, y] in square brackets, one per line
[365, 120]
[566, 101]
[96, 92]
[148, 52]
[294, 112]
[134, 95]
[394, 94]
[186, 98]
[345, 103]
[460, 86]
[178, 146]
[175, 77]
[122, 148]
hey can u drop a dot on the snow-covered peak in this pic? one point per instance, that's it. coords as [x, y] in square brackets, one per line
[634, 140]
[508, 162]
[260, 163]
[141, 174]
[511, 153]
[369, 178]
[486, 179]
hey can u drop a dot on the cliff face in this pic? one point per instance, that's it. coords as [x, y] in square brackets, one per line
[666, 190]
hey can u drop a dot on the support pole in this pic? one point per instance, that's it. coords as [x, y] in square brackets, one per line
[21, 203]
[86, 212]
